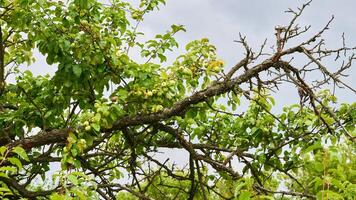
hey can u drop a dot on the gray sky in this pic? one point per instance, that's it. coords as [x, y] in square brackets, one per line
[222, 20]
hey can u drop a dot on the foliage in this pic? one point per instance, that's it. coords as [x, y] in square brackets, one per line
[93, 130]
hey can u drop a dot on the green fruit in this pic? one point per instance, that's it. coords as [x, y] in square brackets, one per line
[149, 94]
[187, 72]
[87, 128]
[106, 113]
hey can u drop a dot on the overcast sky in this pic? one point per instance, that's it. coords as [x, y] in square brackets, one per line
[222, 20]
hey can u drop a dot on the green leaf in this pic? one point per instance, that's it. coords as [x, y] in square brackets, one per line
[8, 169]
[192, 113]
[80, 194]
[272, 100]
[96, 127]
[73, 179]
[71, 138]
[245, 195]
[77, 70]
[21, 152]
[4, 174]
[266, 197]
[315, 146]
[56, 196]
[328, 195]
[2, 150]
[16, 162]
[319, 166]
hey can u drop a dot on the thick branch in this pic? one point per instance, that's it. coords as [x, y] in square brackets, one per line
[43, 138]
[23, 191]
[217, 88]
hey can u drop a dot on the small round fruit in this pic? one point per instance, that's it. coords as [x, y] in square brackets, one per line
[87, 128]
